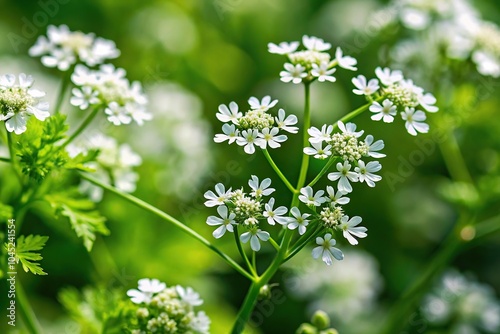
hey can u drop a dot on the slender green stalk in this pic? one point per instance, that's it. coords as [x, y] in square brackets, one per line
[487, 227]
[274, 244]
[454, 160]
[10, 144]
[278, 171]
[148, 207]
[325, 169]
[27, 314]
[62, 91]
[242, 252]
[357, 112]
[5, 159]
[253, 292]
[302, 242]
[82, 126]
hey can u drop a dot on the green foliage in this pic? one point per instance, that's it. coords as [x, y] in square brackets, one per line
[25, 252]
[81, 212]
[6, 212]
[40, 152]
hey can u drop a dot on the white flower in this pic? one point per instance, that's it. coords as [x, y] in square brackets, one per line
[270, 138]
[427, 101]
[219, 198]
[263, 105]
[349, 129]
[284, 123]
[262, 189]
[374, 147]
[317, 136]
[315, 44]
[201, 323]
[388, 77]
[62, 48]
[255, 235]
[226, 222]
[322, 72]
[346, 62]
[414, 121]
[336, 198]
[318, 151]
[293, 74]
[283, 48]
[230, 134]
[386, 111]
[189, 295]
[345, 175]
[147, 287]
[326, 250]
[363, 87]
[306, 196]
[351, 229]
[117, 114]
[275, 215]
[249, 138]
[298, 221]
[365, 172]
[486, 63]
[20, 101]
[84, 97]
[232, 114]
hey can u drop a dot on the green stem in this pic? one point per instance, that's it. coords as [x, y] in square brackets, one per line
[302, 242]
[274, 244]
[82, 126]
[325, 169]
[278, 171]
[5, 159]
[357, 112]
[487, 227]
[253, 293]
[27, 314]
[148, 207]
[10, 144]
[400, 312]
[62, 91]
[454, 160]
[242, 252]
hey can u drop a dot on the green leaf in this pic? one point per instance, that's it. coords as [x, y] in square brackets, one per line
[25, 247]
[6, 212]
[81, 212]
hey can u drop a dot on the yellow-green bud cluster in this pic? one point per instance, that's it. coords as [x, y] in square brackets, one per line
[401, 96]
[308, 57]
[256, 120]
[247, 209]
[331, 216]
[14, 100]
[348, 147]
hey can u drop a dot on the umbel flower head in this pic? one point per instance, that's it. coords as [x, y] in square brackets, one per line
[108, 88]
[397, 94]
[256, 127]
[62, 48]
[313, 63]
[18, 101]
[162, 309]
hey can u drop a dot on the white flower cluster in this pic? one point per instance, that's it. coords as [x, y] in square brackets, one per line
[63, 48]
[165, 309]
[108, 88]
[114, 165]
[257, 127]
[349, 149]
[396, 94]
[456, 27]
[313, 63]
[237, 208]
[463, 304]
[18, 101]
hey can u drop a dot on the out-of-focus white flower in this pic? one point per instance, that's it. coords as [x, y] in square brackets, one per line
[322, 72]
[147, 288]
[19, 101]
[63, 48]
[346, 62]
[283, 48]
[189, 295]
[293, 73]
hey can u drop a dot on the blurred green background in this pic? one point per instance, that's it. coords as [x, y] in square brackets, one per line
[216, 50]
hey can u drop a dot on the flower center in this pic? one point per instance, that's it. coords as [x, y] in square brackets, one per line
[401, 96]
[14, 100]
[256, 119]
[308, 57]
